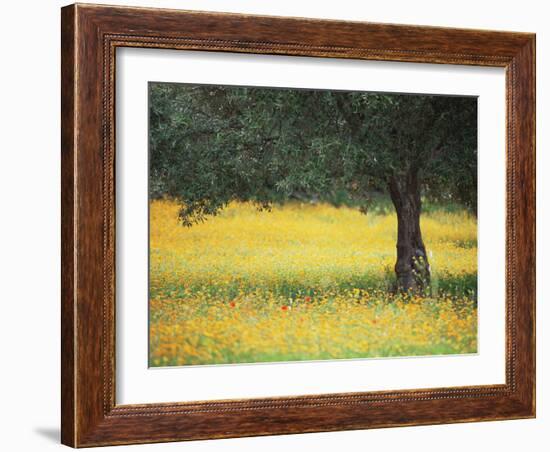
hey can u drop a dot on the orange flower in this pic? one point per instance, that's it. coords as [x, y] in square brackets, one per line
[232, 304]
[284, 308]
[308, 299]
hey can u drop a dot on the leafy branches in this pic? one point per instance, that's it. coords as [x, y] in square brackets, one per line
[210, 145]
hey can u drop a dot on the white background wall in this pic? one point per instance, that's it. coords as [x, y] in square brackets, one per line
[29, 224]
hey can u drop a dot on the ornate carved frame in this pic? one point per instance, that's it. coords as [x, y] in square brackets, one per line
[90, 36]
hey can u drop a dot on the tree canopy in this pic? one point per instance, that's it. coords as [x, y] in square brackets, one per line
[210, 144]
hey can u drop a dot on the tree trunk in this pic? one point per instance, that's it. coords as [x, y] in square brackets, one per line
[412, 268]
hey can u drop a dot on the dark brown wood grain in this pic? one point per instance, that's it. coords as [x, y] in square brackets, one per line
[67, 226]
[90, 36]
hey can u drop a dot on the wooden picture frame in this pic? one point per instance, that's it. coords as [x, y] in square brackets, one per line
[90, 36]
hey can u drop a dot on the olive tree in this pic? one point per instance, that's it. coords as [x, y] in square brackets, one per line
[210, 145]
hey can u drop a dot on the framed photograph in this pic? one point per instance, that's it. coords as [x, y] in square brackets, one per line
[280, 225]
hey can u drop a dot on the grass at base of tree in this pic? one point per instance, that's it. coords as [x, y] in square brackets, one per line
[304, 282]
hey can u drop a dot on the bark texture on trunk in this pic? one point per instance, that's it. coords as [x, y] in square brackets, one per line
[412, 268]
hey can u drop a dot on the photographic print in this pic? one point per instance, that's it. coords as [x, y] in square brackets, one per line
[299, 224]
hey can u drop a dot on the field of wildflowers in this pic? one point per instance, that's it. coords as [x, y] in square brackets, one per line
[304, 282]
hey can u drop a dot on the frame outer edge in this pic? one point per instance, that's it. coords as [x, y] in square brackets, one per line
[525, 62]
[68, 229]
[534, 226]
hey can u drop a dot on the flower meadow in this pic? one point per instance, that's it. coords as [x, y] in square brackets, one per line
[304, 282]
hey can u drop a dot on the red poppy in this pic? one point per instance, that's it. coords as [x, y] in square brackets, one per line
[232, 304]
[308, 299]
[284, 308]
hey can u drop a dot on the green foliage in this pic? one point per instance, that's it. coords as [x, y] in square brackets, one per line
[210, 145]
